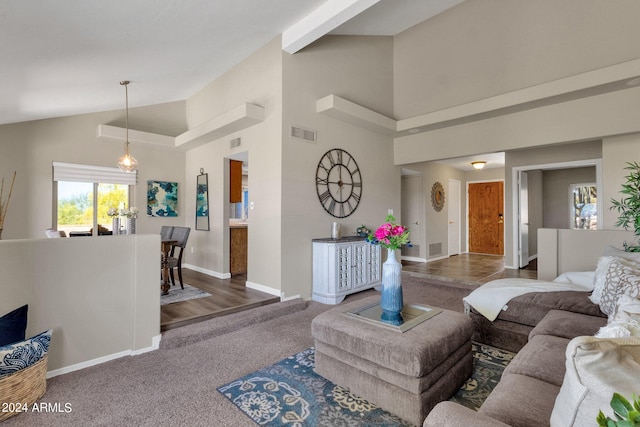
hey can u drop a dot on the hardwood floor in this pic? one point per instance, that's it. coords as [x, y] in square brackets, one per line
[230, 295]
[227, 296]
[469, 268]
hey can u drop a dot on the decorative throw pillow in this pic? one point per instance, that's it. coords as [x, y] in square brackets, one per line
[600, 278]
[622, 278]
[619, 253]
[13, 326]
[596, 368]
[20, 355]
[624, 321]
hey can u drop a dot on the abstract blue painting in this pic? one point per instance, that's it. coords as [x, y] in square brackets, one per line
[162, 198]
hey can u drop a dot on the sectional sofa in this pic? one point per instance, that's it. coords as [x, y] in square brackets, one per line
[562, 375]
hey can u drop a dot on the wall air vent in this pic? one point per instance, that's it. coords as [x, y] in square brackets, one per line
[235, 142]
[303, 134]
[435, 249]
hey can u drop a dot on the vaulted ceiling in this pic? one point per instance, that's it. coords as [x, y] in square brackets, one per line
[67, 57]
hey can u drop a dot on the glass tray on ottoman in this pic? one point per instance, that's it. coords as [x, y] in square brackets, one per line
[412, 315]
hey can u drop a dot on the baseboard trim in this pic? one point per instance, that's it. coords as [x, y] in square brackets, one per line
[207, 272]
[438, 258]
[413, 258]
[155, 344]
[262, 288]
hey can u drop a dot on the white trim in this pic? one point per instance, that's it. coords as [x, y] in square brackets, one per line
[155, 344]
[207, 272]
[515, 194]
[438, 258]
[283, 298]
[263, 288]
[413, 258]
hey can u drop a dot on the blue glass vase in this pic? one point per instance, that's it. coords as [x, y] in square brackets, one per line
[391, 301]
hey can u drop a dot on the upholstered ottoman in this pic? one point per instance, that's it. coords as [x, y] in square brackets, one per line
[406, 373]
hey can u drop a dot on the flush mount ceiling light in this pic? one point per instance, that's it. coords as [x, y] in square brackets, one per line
[478, 165]
[127, 163]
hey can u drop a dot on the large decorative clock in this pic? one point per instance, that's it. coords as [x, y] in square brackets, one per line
[338, 183]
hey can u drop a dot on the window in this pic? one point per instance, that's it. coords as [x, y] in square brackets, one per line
[85, 193]
[583, 206]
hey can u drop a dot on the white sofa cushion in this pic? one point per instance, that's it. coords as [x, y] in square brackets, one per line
[596, 368]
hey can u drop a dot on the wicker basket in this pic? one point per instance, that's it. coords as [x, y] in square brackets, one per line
[26, 386]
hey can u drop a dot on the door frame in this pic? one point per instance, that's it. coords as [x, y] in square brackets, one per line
[458, 218]
[504, 196]
[420, 196]
[515, 196]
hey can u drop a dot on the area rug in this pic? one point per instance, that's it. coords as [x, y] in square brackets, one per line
[290, 393]
[177, 294]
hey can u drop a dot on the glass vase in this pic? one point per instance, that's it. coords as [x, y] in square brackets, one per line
[131, 225]
[115, 226]
[391, 301]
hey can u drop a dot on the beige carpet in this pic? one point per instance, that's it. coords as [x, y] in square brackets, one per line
[176, 385]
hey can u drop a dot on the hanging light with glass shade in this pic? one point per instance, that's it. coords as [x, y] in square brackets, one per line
[127, 163]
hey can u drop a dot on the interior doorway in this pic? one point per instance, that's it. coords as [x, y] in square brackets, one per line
[486, 217]
[412, 204]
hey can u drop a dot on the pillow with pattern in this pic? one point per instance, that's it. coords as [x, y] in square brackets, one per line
[624, 321]
[13, 326]
[622, 277]
[22, 354]
[600, 278]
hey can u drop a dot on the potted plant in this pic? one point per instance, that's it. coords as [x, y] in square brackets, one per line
[627, 413]
[628, 206]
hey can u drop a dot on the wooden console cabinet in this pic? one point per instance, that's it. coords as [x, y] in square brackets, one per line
[344, 266]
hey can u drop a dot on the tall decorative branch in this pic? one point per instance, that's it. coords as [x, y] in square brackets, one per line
[4, 206]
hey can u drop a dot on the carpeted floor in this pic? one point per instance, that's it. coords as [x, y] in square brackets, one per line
[176, 385]
[290, 392]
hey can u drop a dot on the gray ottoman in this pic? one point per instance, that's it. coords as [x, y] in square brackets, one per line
[407, 373]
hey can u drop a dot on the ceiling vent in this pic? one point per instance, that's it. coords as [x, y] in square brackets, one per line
[235, 142]
[303, 134]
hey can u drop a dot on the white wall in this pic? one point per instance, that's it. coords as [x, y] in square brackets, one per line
[99, 295]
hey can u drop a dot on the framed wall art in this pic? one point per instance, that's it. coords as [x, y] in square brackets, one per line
[162, 198]
[202, 201]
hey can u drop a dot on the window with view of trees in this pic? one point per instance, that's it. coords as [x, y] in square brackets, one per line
[77, 211]
[85, 194]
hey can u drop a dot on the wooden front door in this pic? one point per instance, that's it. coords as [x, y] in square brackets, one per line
[486, 218]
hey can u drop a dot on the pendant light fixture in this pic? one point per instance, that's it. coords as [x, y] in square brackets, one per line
[127, 163]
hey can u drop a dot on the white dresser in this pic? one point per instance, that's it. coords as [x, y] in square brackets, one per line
[344, 266]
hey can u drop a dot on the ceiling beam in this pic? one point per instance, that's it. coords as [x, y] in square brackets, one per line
[330, 15]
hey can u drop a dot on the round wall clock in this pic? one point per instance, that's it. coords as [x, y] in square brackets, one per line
[437, 196]
[338, 183]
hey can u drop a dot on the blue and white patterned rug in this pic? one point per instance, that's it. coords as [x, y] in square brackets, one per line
[290, 393]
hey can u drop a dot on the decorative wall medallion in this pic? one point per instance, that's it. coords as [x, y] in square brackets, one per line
[437, 196]
[338, 183]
